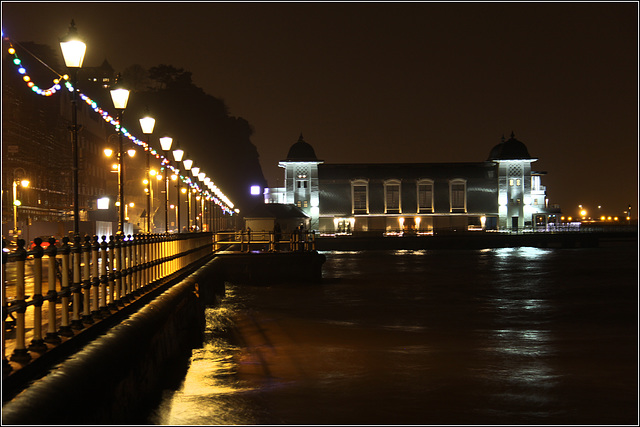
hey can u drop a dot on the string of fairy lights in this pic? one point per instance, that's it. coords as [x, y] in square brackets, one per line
[211, 193]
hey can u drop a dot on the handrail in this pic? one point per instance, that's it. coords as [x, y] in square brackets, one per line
[298, 240]
[86, 281]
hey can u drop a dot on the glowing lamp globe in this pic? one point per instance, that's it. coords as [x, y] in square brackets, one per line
[178, 154]
[165, 143]
[195, 170]
[147, 124]
[187, 164]
[120, 97]
[73, 48]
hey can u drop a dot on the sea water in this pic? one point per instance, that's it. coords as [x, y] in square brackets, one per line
[497, 336]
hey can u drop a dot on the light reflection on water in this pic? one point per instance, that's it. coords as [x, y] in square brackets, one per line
[514, 335]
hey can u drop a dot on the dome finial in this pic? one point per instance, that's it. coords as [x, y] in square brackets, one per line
[300, 139]
[513, 135]
[502, 138]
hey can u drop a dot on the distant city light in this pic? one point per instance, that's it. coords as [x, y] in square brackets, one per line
[103, 203]
[255, 190]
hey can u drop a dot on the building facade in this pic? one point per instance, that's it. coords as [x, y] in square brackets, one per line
[500, 193]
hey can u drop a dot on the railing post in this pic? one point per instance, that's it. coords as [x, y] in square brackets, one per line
[37, 343]
[111, 253]
[153, 268]
[20, 352]
[6, 366]
[65, 289]
[126, 270]
[86, 281]
[157, 256]
[104, 278]
[139, 262]
[179, 250]
[171, 264]
[163, 255]
[95, 278]
[118, 270]
[144, 272]
[175, 254]
[135, 262]
[150, 260]
[51, 252]
[76, 288]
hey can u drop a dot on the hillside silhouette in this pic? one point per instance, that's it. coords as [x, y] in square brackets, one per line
[199, 123]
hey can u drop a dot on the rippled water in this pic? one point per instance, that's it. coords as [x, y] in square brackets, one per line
[500, 336]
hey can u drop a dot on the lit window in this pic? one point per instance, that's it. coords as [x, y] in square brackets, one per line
[425, 196]
[518, 182]
[458, 195]
[511, 183]
[359, 194]
[392, 196]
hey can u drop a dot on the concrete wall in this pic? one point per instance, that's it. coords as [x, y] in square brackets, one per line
[120, 374]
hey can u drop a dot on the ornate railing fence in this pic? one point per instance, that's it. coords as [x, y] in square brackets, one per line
[50, 294]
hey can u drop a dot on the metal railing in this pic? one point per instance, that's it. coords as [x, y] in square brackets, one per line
[86, 280]
[266, 240]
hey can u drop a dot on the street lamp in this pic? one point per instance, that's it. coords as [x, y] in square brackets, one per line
[187, 163]
[147, 123]
[177, 156]
[73, 50]
[16, 202]
[165, 143]
[120, 97]
[194, 171]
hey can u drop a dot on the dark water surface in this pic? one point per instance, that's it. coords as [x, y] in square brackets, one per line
[497, 336]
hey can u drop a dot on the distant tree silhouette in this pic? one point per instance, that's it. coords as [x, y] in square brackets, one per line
[200, 124]
[137, 78]
[164, 75]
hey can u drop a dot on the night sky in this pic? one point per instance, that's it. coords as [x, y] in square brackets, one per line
[396, 82]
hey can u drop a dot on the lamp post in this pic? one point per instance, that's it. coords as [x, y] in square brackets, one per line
[194, 171]
[147, 123]
[200, 200]
[73, 50]
[177, 156]
[120, 97]
[16, 202]
[187, 163]
[165, 143]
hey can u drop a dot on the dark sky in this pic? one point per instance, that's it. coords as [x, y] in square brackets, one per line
[396, 82]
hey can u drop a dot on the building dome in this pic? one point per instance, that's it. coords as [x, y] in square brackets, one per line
[301, 152]
[511, 149]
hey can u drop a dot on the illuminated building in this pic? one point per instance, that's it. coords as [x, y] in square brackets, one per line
[500, 193]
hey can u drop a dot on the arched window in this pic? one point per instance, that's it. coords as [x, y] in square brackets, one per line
[425, 196]
[392, 196]
[458, 195]
[360, 196]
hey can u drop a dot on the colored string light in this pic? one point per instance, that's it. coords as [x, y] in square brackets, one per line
[222, 201]
[27, 79]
